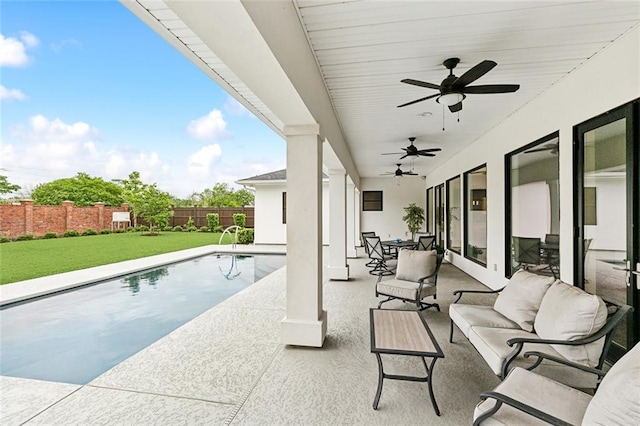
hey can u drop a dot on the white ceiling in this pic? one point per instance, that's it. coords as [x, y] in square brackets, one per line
[364, 48]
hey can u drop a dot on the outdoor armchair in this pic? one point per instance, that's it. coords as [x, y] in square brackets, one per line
[378, 257]
[415, 279]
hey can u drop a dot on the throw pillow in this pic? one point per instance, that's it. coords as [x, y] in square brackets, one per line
[520, 299]
[569, 313]
[415, 264]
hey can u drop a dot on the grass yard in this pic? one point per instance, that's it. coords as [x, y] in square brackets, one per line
[23, 260]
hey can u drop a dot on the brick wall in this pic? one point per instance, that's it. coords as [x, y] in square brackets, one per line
[28, 218]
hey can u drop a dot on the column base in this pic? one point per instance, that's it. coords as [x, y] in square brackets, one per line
[304, 333]
[352, 253]
[338, 273]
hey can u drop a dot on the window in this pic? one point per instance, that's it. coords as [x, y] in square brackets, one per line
[454, 223]
[475, 217]
[590, 215]
[438, 203]
[284, 207]
[533, 207]
[430, 210]
[372, 201]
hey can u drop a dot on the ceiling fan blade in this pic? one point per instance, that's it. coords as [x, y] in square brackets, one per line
[426, 154]
[409, 173]
[403, 156]
[418, 100]
[430, 150]
[473, 74]
[421, 83]
[492, 88]
[455, 108]
[392, 153]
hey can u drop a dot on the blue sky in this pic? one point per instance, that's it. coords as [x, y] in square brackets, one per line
[86, 86]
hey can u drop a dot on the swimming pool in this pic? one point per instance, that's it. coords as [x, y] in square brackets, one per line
[75, 336]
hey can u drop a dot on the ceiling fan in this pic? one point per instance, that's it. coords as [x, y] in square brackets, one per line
[551, 147]
[454, 89]
[411, 150]
[400, 173]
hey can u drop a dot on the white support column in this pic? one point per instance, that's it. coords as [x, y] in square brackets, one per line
[305, 323]
[357, 216]
[352, 210]
[338, 268]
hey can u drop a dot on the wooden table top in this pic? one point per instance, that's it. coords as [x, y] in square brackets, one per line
[402, 332]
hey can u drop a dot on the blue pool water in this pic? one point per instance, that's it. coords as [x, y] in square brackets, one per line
[75, 336]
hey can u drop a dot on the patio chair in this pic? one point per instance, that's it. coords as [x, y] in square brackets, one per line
[426, 242]
[378, 257]
[363, 236]
[415, 279]
[525, 396]
[526, 251]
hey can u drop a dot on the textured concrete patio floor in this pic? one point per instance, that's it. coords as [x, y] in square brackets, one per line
[228, 366]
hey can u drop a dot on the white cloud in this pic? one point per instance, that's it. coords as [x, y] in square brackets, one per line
[11, 94]
[233, 107]
[13, 51]
[199, 163]
[210, 127]
[57, 47]
[43, 129]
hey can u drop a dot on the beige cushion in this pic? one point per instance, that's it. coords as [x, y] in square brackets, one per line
[616, 401]
[467, 316]
[414, 264]
[569, 313]
[405, 289]
[520, 299]
[539, 392]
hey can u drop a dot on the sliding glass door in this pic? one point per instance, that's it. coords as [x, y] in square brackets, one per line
[607, 253]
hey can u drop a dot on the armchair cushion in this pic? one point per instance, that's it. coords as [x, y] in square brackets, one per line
[569, 313]
[520, 300]
[405, 289]
[467, 316]
[413, 265]
[616, 400]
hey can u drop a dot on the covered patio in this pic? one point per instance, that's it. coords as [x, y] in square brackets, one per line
[228, 367]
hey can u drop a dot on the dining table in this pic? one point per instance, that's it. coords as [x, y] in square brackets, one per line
[392, 246]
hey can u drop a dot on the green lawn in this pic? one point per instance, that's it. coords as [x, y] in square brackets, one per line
[23, 260]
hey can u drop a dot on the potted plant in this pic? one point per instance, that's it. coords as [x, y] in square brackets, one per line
[414, 218]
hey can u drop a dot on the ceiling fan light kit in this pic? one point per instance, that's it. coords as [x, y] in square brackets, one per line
[450, 99]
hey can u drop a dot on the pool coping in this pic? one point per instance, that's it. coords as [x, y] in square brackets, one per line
[28, 289]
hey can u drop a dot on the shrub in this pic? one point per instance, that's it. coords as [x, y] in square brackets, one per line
[4, 240]
[218, 229]
[132, 229]
[189, 223]
[177, 228]
[245, 236]
[204, 229]
[143, 228]
[71, 233]
[240, 219]
[89, 231]
[24, 237]
[167, 228]
[105, 231]
[191, 228]
[119, 231]
[213, 220]
[49, 235]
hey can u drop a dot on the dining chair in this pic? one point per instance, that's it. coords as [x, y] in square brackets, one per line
[426, 242]
[378, 257]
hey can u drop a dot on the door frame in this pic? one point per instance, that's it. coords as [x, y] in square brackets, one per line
[630, 111]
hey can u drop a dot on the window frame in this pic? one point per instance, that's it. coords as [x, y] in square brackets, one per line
[447, 214]
[374, 208]
[467, 208]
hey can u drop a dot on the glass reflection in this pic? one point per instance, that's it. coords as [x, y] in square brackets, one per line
[454, 228]
[535, 207]
[475, 182]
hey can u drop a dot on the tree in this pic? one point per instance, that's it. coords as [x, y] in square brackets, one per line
[154, 206]
[414, 218]
[7, 187]
[132, 190]
[82, 189]
[244, 197]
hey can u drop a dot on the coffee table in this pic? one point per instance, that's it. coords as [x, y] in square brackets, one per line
[401, 332]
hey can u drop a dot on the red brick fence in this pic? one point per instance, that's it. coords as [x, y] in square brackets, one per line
[28, 218]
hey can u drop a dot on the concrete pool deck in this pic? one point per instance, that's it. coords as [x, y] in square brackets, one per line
[227, 366]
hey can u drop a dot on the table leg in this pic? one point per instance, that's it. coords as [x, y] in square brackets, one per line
[429, 376]
[380, 378]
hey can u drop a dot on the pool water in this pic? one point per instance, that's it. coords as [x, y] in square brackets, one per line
[75, 336]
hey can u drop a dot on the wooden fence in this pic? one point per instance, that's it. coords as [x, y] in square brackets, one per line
[199, 214]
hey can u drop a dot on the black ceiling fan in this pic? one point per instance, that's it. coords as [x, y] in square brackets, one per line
[399, 172]
[551, 147]
[454, 89]
[411, 150]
